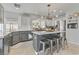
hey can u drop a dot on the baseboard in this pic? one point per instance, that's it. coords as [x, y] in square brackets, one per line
[76, 43]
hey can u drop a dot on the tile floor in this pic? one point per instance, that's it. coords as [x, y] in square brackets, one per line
[26, 48]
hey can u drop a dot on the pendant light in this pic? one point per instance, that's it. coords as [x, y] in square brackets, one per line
[49, 12]
[17, 6]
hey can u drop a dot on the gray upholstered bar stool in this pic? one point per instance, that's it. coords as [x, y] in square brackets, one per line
[54, 42]
[63, 40]
[52, 39]
[58, 39]
[44, 43]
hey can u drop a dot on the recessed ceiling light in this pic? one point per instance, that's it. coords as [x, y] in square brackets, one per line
[60, 11]
[54, 10]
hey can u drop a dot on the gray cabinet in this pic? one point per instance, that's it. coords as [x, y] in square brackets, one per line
[23, 35]
[9, 37]
[16, 38]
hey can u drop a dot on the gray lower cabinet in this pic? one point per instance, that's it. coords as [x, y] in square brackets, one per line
[12, 39]
[23, 36]
[19, 36]
[9, 37]
[16, 38]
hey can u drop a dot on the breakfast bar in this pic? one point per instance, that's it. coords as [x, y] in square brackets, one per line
[39, 35]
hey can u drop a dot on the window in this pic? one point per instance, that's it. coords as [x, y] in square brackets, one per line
[1, 29]
[11, 27]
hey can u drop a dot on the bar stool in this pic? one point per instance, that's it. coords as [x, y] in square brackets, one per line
[54, 38]
[52, 41]
[63, 40]
[45, 44]
[58, 39]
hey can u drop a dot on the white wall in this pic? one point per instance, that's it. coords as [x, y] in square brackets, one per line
[73, 34]
[10, 17]
[24, 21]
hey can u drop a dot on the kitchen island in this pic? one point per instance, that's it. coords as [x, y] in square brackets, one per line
[39, 35]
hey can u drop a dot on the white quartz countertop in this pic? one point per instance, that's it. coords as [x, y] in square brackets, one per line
[45, 32]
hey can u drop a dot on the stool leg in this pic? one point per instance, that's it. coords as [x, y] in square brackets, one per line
[66, 42]
[63, 43]
[51, 47]
[57, 45]
[43, 48]
[60, 43]
[37, 53]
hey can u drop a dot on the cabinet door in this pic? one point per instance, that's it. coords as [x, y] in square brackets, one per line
[23, 36]
[10, 39]
[16, 38]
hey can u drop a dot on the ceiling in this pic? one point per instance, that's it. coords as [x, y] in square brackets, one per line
[41, 8]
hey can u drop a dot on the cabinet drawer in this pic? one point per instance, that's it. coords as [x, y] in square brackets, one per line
[23, 36]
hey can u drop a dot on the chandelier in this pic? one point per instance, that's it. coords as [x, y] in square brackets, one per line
[54, 13]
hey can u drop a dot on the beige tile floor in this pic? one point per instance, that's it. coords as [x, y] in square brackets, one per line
[26, 48]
